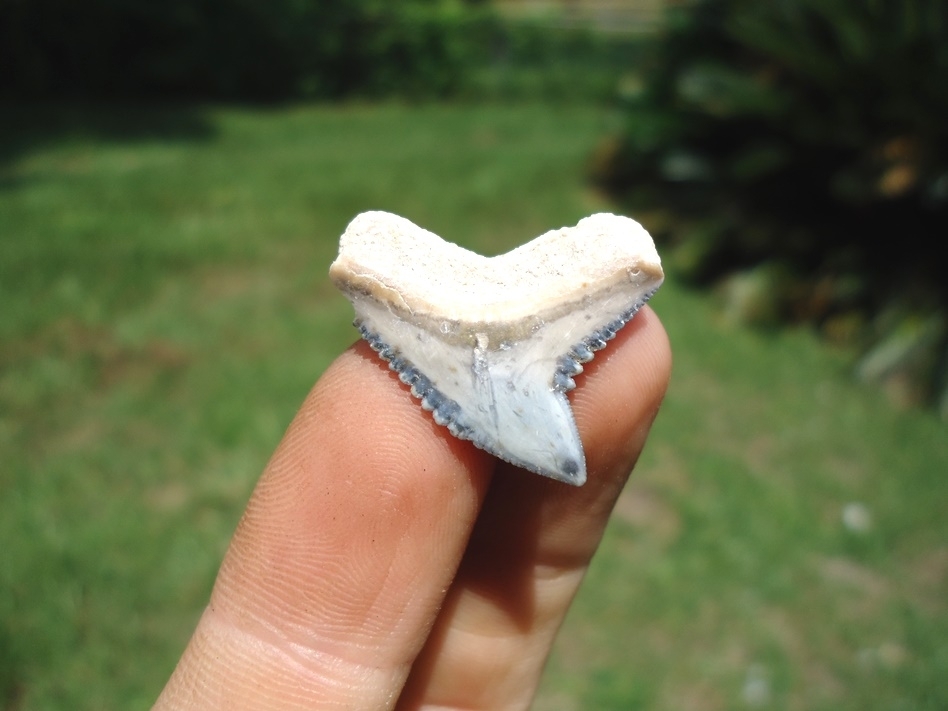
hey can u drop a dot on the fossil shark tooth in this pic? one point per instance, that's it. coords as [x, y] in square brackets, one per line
[491, 345]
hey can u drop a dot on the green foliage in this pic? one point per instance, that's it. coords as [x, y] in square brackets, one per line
[285, 49]
[235, 49]
[812, 133]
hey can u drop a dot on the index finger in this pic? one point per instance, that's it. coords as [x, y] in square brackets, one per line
[340, 561]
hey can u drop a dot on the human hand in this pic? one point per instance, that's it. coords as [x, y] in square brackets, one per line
[383, 564]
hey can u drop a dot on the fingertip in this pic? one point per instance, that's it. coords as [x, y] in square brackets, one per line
[379, 418]
[361, 480]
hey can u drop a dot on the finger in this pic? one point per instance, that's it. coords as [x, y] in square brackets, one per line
[340, 562]
[534, 539]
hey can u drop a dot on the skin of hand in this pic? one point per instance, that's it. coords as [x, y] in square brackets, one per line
[383, 564]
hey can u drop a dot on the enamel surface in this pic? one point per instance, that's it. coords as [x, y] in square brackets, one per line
[490, 345]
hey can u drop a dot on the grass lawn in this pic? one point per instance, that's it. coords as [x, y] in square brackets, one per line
[164, 308]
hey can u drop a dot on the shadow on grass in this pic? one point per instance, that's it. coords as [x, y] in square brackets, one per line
[27, 127]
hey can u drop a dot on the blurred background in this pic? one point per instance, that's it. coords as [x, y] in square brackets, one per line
[174, 178]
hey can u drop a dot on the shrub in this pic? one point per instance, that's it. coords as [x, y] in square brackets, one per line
[291, 49]
[806, 139]
[234, 49]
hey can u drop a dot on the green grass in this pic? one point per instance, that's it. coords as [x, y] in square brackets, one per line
[165, 308]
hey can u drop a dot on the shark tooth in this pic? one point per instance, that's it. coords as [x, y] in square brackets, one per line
[492, 345]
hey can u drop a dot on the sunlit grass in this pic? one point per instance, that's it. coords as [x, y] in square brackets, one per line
[165, 308]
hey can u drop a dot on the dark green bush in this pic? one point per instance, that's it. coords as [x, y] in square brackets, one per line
[290, 49]
[235, 49]
[806, 139]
